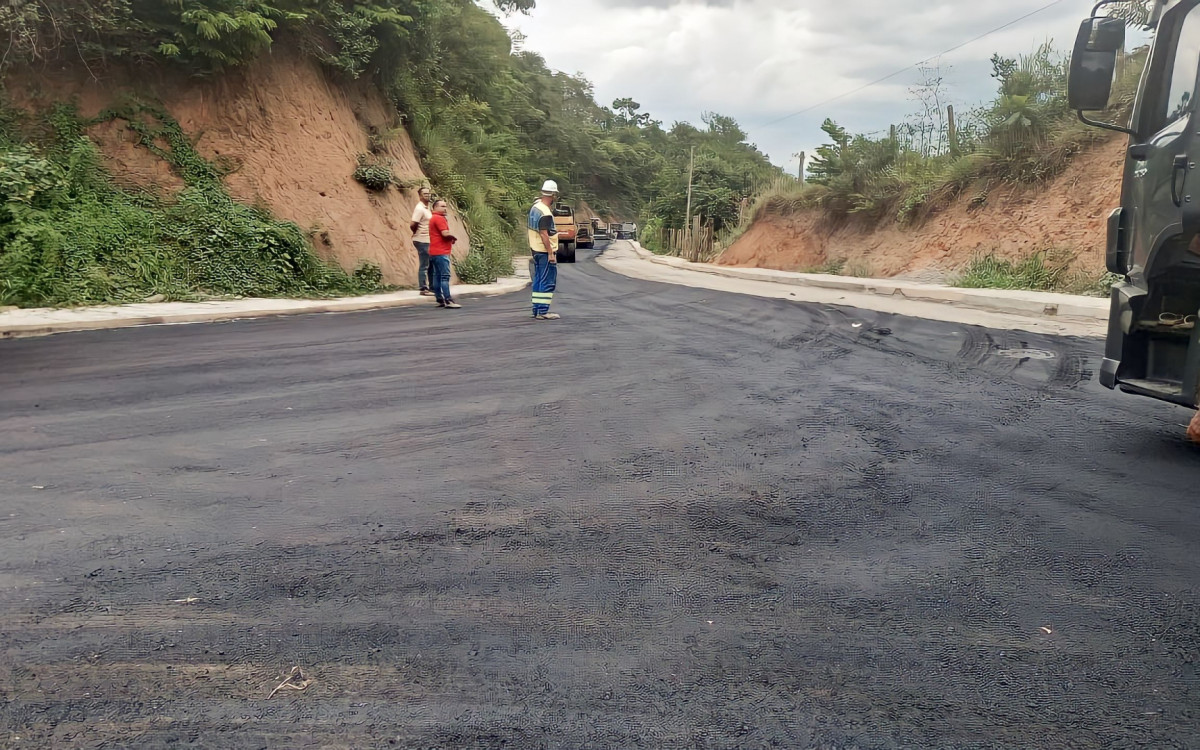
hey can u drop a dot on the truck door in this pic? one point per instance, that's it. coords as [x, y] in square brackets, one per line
[1162, 173]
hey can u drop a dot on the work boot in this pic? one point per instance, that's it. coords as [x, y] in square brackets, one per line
[451, 304]
[549, 316]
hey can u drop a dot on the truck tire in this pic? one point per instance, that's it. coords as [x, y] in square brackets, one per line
[566, 252]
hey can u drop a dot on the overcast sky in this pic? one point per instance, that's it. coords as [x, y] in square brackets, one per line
[760, 60]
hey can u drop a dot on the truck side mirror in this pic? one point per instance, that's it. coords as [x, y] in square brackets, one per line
[1094, 63]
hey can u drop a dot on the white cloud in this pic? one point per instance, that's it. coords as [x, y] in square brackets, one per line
[760, 60]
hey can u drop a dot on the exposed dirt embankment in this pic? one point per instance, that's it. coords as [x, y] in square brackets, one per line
[1068, 215]
[292, 135]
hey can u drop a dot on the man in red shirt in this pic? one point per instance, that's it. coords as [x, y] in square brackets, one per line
[441, 243]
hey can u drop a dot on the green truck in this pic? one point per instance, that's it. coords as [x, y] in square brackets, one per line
[1153, 346]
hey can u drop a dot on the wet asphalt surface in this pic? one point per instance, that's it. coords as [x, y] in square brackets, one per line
[676, 518]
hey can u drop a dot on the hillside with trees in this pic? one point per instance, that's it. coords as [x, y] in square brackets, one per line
[487, 121]
[995, 195]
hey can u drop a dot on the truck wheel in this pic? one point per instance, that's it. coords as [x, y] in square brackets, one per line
[566, 252]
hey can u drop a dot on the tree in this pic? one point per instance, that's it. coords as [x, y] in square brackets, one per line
[726, 129]
[627, 113]
[931, 125]
[831, 159]
[1030, 99]
[519, 6]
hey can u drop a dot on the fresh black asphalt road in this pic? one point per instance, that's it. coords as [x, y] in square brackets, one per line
[676, 518]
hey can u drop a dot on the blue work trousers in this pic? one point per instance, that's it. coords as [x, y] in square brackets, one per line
[545, 279]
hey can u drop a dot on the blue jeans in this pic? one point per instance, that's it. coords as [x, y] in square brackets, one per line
[545, 280]
[440, 264]
[424, 269]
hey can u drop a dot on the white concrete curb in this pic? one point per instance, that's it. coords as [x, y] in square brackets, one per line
[1001, 300]
[20, 323]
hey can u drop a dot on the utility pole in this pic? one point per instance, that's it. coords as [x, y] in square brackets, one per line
[691, 174]
[803, 157]
[952, 131]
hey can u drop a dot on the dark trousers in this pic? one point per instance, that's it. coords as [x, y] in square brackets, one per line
[545, 280]
[424, 269]
[441, 277]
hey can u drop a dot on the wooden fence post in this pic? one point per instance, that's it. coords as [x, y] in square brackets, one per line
[952, 131]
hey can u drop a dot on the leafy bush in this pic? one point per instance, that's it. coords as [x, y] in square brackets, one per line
[368, 276]
[69, 237]
[374, 174]
[651, 236]
[28, 178]
[491, 255]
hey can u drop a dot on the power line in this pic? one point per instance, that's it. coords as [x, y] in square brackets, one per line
[907, 68]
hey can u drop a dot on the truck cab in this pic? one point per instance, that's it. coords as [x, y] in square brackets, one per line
[1153, 344]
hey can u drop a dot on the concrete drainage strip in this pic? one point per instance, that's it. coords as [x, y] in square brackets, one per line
[1039, 304]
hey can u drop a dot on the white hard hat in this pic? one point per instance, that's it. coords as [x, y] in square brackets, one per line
[550, 188]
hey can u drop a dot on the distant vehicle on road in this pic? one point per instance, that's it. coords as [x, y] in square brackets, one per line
[564, 222]
[584, 237]
[599, 230]
[627, 231]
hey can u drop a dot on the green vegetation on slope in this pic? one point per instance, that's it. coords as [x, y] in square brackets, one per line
[490, 122]
[68, 236]
[1026, 135]
[1044, 271]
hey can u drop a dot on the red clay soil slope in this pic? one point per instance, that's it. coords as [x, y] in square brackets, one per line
[1069, 215]
[294, 135]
